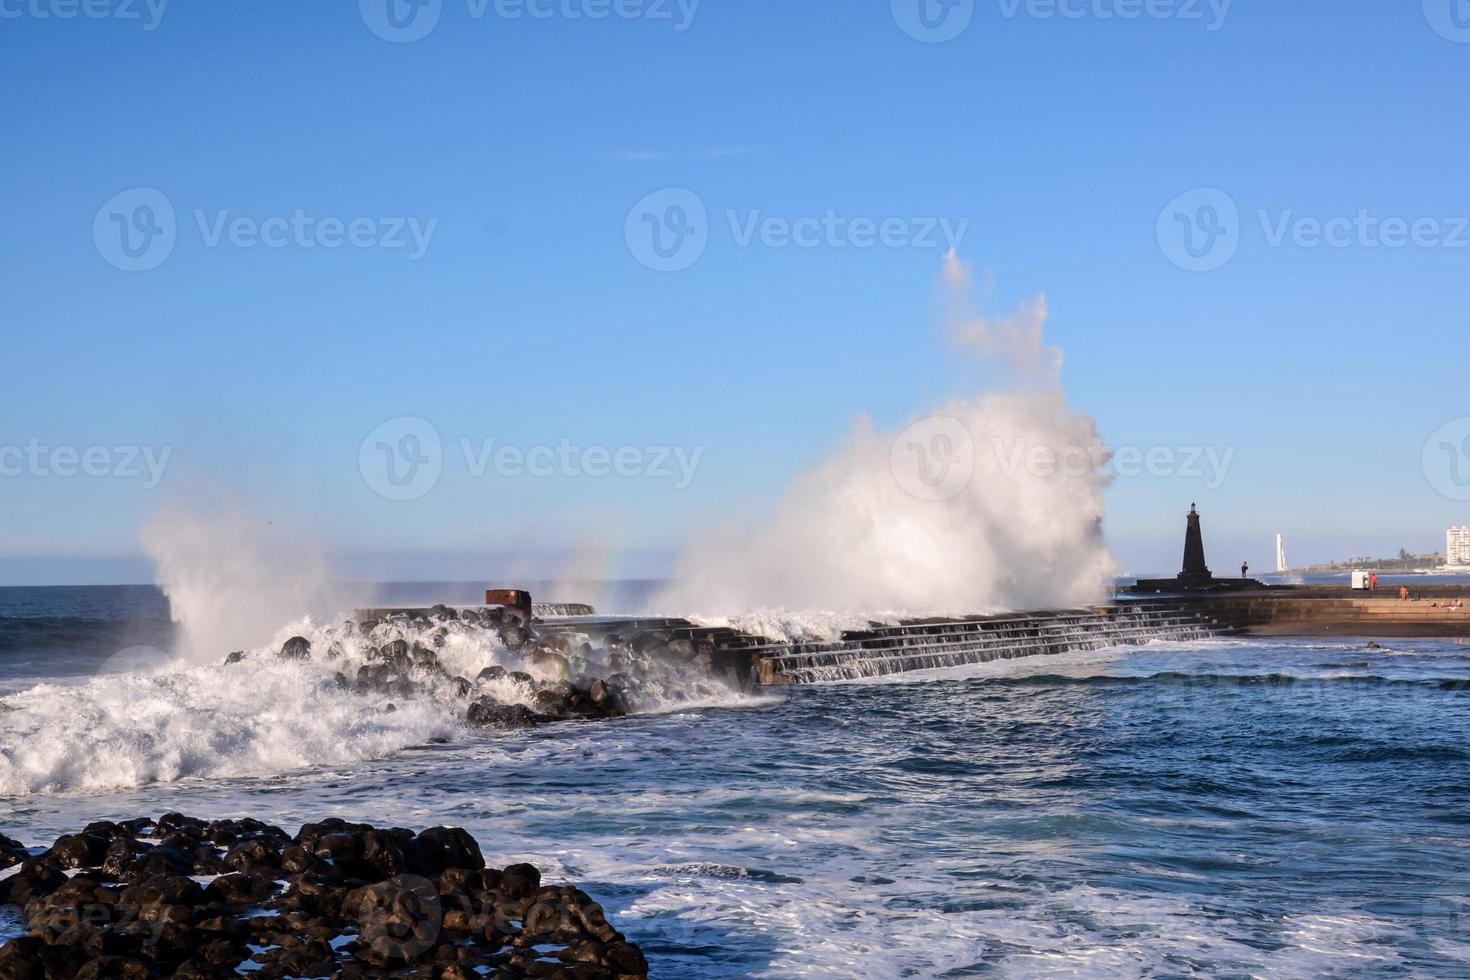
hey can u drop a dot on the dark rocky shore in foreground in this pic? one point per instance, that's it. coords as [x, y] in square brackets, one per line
[182, 897]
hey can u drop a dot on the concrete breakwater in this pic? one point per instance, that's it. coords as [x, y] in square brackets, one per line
[1430, 612]
[744, 660]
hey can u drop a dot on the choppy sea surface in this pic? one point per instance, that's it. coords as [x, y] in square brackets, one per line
[1226, 808]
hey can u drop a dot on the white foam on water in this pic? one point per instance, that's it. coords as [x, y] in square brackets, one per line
[127, 730]
[162, 722]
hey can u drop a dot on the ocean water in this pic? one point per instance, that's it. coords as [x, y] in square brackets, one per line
[1228, 808]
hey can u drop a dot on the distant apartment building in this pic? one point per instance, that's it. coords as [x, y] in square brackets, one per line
[1457, 546]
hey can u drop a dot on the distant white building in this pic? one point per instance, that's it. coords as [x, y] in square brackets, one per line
[1457, 546]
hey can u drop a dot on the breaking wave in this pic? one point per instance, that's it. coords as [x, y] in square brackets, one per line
[145, 717]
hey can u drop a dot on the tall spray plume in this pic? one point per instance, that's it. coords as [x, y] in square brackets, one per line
[234, 580]
[991, 502]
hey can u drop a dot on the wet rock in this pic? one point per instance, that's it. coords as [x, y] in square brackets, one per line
[550, 701]
[494, 672]
[34, 879]
[439, 849]
[296, 860]
[163, 859]
[488, 713]
[519, 881]
[253, 854]
[12, 852]
[396, 654]
[550, 663]
[235, 657]
[361, 902]
[121, 855]
[115, 968]
[296, 648]
[239, 889]
[32, 958]
[77, 851]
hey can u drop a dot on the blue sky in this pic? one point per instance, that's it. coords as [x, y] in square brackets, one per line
[520, 144]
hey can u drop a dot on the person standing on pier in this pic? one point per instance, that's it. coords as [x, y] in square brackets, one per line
[1245, 568]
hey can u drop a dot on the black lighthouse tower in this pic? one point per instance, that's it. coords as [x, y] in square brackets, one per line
[1196, 575]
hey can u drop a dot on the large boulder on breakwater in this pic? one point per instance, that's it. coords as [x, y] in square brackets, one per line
[487, 712]
[336, 899]
[296, 648]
